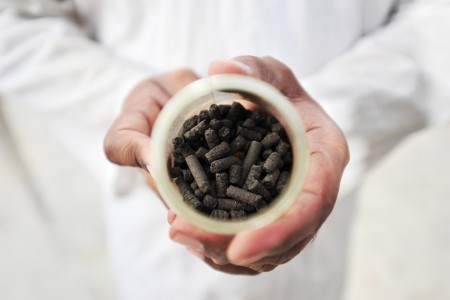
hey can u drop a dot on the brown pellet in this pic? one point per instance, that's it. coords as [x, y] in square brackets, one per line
[210, 202]
[273, 162]
[224, 164]
[220, 151]
[250, 159]
[237, 214]
[246, 196]
[195, 132]
[198, 173]
[211, 138]
[220, 214]
[221, 183]
[270, 179]
[235, 174]
[270, 140]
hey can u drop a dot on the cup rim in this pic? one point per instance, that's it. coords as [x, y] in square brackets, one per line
[269, 95]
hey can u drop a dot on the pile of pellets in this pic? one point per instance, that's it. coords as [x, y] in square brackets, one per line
[230, 162]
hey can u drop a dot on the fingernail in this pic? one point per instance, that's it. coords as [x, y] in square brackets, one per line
[188, 242]
[242, 66]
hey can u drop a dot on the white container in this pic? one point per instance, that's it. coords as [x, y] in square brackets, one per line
[224, 89]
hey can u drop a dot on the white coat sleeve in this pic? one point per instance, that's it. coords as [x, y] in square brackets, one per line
[48, 60]
[392, 82]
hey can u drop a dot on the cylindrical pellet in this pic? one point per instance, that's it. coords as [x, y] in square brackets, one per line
[189, 123]
[282, 181]
[250, 159]
[220, 214]
[270, 179]
[256, 187]
[238, 143]
[211, 138]
[254, 174]
[282, 148]
[201, 153]
[231, 204]
[235, 112]
[215, 124]
[249, 134]
[224, 164]
[224, 134]
[273, 162]
[221, 183]
[188, 195]
[220, 151]
[203, 115]
[270, 140]
[210, 202]
[246, 196]
[237, 214]
[198, 173]
[195, 132]
[214, 111]
[235, 174]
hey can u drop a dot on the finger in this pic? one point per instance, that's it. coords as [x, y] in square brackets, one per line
[211, 245]
[265, 68]
[303, 219]
[128, 140]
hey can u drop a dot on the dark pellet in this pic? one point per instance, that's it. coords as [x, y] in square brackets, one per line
[270, 179]
[282, 181]
[282, 148]
[250, 159]
[258, 117]
[186, 150]
[187, 176]
[210, 202]
[231, 204]
[246, 196]
[235, 112]
[214, 111]
[238, 143]
[198, 194]
[249, 134]
[249, 123]
[270, 140]
[273, 162]
[224, 164]
[215, 124]
[177, 142]
[224, 134]
[198, 173]
[195, 132]
[256, 187]
[227, 123]
[266, 153]
[221, 183]
[220, 214]
[237, 214]
[220, 151]
[190, 123]
[203, 115]
[194, 185]
[254, 174]
[211, 138]
[278, 128]
[187, 194]
[224, 109]
[201, 153]
[235, 174]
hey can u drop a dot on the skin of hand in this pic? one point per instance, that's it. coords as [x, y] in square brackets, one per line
[258, 250]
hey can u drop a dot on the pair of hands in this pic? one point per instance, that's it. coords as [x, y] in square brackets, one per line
[262, 249]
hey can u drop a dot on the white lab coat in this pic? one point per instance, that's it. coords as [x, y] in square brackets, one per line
[377, 66]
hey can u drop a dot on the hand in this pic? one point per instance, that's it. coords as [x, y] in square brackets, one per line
[127, 142]
[263, 249]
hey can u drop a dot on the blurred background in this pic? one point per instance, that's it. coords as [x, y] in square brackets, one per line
[59, 237]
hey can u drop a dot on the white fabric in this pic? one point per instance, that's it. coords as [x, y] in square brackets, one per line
[67, 65]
